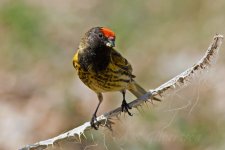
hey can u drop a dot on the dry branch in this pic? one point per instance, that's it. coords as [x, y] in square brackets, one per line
[169, 87]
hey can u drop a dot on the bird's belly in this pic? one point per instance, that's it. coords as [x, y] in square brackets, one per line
[105, 81]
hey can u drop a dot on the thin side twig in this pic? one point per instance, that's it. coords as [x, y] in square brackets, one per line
[176, 83]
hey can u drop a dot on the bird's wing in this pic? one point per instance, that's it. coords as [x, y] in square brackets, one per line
[75, 60]
[121, 62]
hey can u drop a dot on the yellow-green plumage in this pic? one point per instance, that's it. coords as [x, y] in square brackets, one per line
[103, 69]
[116, 77]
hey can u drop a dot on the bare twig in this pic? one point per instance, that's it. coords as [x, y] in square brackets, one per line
[169, 87]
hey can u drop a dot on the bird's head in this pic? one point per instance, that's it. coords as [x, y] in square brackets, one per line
[100, 36]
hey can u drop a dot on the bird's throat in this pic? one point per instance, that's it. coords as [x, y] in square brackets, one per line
[94, 59]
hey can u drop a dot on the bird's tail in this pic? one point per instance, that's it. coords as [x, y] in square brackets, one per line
[138, 91]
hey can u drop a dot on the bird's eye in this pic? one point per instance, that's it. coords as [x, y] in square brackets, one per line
[100, 35]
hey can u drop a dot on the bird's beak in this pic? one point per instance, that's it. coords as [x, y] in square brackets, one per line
[110, 42]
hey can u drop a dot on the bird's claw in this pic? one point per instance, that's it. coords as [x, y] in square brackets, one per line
[125, 108]
[94, 123]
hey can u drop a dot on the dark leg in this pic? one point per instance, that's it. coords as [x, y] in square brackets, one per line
[94, 117]
[125, 107]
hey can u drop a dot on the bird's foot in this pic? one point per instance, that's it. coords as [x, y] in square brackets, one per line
[94, 123]
[125, 107]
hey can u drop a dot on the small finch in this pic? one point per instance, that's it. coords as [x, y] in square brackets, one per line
[103, 69]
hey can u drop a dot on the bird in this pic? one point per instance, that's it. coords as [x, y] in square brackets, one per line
[103, 69]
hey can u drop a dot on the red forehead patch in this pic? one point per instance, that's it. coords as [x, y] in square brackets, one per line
[107, 32]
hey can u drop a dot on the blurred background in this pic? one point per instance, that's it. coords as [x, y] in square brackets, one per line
[41, 96]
